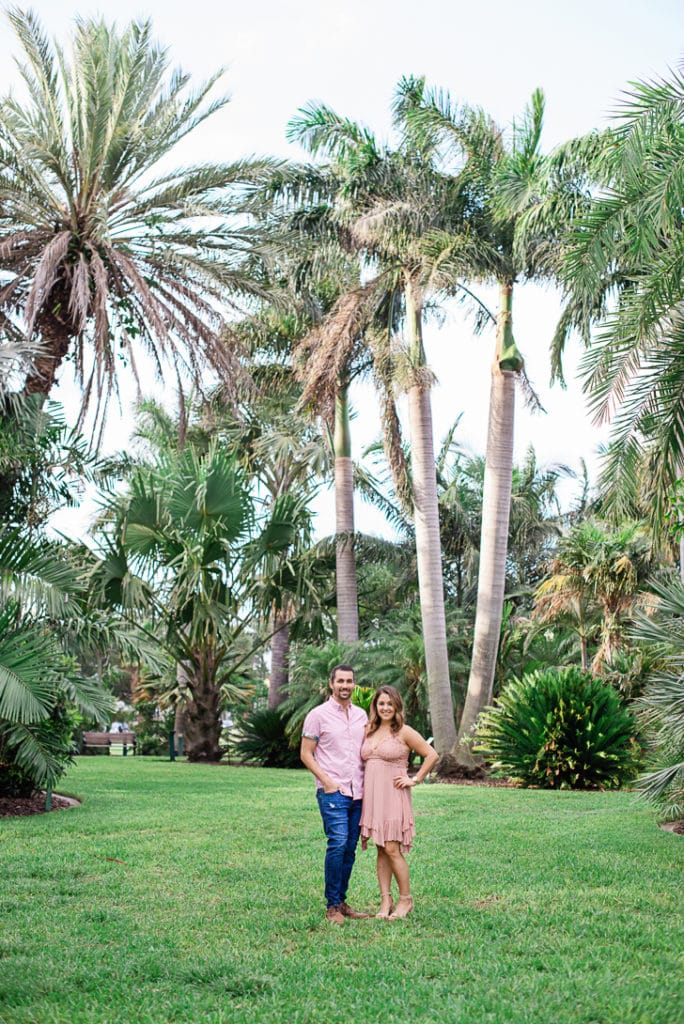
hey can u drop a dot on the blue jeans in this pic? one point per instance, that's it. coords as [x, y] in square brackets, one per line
[341, 817]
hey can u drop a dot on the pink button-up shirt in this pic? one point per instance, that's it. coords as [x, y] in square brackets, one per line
[339, 737]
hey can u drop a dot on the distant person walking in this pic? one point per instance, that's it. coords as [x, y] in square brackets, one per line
[332, 737]
[387, 816]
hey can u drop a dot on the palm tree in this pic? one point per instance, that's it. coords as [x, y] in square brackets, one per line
[519, 202]
[283, 451]
[533, 523]
[564, 594]
[626, 264]
[182, 546]
[104, 250]
[387, 201]
[600, 574]
[339, 347]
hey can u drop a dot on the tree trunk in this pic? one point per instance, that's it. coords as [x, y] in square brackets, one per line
[179, 728]
[428, 544]
[201, 718]
[56, 335]
[347, 598]
[496, 506]
[280, 654]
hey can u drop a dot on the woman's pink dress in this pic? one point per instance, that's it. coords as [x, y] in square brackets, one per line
[387, 813]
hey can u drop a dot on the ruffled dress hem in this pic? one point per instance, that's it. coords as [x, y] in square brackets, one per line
[388, 832]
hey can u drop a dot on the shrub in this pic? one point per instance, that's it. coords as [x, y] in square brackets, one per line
[262, 738]
[560, 729]
[53, 747]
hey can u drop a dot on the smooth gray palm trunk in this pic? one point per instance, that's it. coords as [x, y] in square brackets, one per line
[428, 544]
[496, 507]
[345, 559]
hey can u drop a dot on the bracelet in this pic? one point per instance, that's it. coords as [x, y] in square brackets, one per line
[417, 780]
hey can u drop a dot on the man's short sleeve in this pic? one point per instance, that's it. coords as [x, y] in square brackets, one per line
[312, 726]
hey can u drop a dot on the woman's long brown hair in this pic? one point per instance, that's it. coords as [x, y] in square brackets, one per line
[397, 704]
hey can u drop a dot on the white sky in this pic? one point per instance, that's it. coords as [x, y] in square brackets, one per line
[280, 54]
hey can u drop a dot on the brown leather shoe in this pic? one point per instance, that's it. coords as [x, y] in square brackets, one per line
[334, 915]
[347, 911]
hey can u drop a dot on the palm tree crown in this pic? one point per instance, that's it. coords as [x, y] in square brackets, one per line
[99, 241]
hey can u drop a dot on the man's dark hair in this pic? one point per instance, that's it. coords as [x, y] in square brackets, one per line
[341, 668]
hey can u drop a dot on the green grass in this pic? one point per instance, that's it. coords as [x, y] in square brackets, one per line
[183, 893]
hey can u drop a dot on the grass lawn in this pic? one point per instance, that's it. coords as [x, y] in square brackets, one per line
[181, 893]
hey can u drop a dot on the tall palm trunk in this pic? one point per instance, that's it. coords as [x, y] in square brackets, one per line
[280, 656]
[347, 597]
[56, 335]
[496, 506]
[426, 522]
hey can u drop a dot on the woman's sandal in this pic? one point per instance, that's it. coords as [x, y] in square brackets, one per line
[383, 915]
[404, 908]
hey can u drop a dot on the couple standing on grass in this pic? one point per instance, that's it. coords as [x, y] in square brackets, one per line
[363, 788]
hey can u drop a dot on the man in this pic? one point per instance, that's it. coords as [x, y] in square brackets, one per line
[332, 737]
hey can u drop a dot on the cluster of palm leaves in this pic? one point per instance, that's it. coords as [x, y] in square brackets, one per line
[45, 622]
[661, 706]
[626, 261]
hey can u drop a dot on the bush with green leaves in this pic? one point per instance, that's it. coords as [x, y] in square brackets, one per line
[560, 729]
[263, 739]
[40, 689]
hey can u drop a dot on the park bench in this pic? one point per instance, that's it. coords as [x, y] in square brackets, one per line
[114, 743]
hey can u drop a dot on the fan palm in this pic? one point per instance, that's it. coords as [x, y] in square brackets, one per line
[183, 545]
[103, 248]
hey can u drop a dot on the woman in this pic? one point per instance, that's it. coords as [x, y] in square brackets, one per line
[387, 815]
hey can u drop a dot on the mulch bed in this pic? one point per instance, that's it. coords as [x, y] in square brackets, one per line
[22, 806]
[674, 826]
[483, 780]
